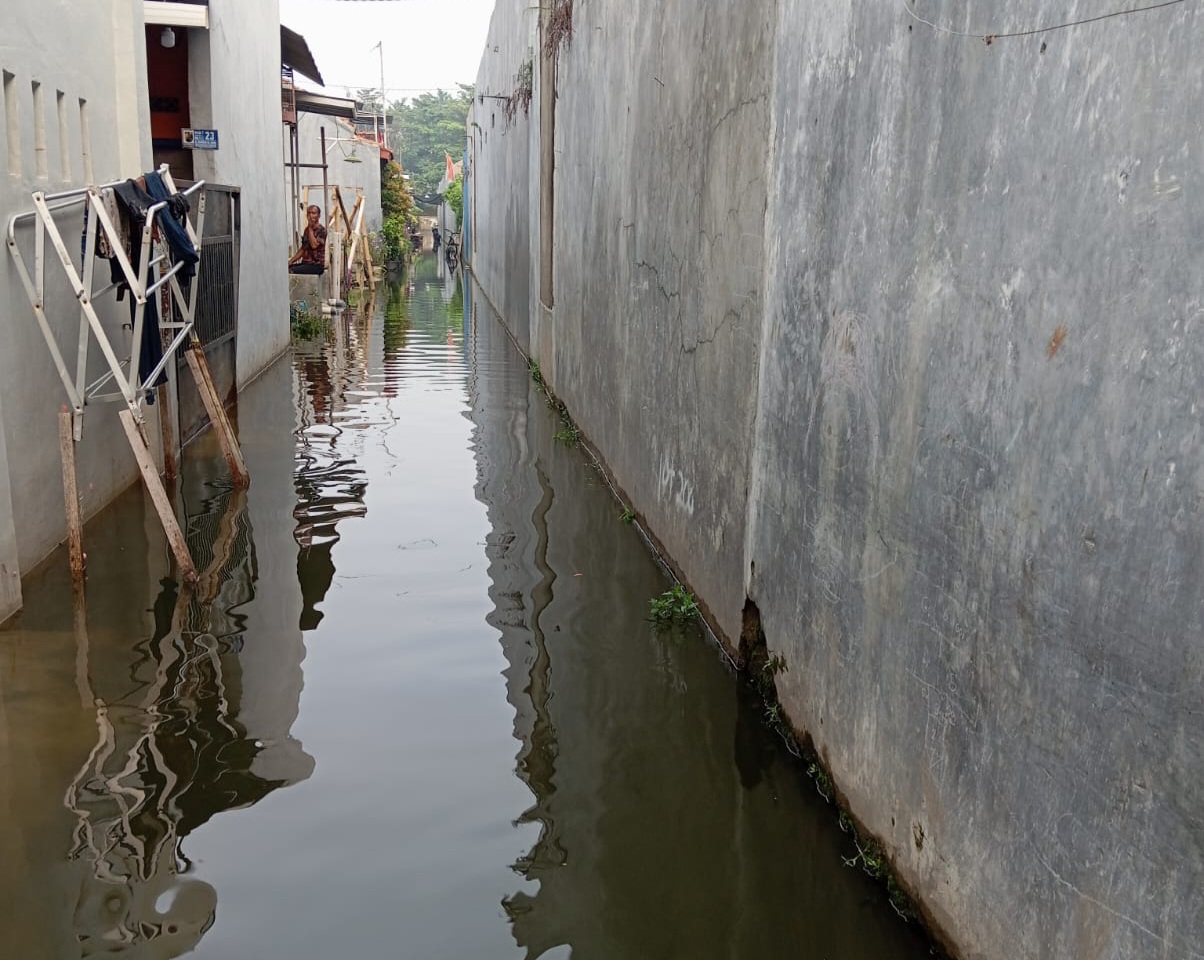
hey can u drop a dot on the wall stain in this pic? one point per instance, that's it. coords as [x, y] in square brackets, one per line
[1056, 341]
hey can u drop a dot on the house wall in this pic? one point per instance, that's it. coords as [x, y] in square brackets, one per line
[660, 194]
[235, 86]
[96, 57]
[348, 177]
[895, 333]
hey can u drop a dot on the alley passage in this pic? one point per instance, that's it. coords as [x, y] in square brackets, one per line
[412, 710]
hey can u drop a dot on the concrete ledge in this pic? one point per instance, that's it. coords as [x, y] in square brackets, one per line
[307, 287]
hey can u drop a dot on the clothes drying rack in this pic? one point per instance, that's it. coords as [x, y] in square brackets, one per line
[145, 280]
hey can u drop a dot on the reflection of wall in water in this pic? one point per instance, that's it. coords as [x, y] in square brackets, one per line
[329, 483]
[173, 752]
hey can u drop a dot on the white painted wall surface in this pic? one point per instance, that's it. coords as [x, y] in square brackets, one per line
[238, 62]
[96, 56]
[348, 177]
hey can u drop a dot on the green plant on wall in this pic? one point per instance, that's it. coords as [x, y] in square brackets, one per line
[675, 606]
[453, 196]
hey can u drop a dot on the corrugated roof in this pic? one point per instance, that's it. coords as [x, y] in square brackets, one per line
[294, 52]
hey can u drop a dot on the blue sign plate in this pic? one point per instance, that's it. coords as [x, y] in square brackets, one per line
[197, 139]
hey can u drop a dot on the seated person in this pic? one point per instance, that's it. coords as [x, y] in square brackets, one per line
[311, 257]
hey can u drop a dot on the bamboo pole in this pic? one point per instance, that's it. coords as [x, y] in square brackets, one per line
[75, 532]
[195, 355]
[150, 476]
[168, 433]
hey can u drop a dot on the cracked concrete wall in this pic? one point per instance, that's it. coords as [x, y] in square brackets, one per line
[899, 332]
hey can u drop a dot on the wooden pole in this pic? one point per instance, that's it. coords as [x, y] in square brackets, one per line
[79, 622]
[75, 531]
[195, 355]
[150, 476]
[168, 433]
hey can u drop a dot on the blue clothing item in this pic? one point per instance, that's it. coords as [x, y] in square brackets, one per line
[136, 203]
[172, 226]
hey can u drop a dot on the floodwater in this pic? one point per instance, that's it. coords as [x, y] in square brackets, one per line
[413, 709]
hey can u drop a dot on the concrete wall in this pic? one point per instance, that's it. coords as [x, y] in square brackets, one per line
[504, 168]
[96, 57]
[660, 183]
[348, 177]
[235, 89]
[897, 333]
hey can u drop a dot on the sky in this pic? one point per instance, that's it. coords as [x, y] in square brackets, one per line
[428, 44]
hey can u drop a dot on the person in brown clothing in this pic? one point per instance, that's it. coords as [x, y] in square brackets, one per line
[311, 256]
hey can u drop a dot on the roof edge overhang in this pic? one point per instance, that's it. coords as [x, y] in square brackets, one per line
[294, 52]
[325, 105]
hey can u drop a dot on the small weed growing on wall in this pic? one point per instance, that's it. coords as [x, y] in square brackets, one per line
[536, 375]
[568, 434]
[675, 606]
[628, 515]
[558, 27]
[873, 861]
[524, 86]
[823, 782]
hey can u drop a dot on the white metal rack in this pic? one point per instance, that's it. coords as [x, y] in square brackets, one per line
[144, 280]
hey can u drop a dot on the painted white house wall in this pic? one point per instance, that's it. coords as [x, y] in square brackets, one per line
[348, 177]
[234, 81]
[74, 111]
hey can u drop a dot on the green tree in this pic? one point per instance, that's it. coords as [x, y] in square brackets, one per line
[431, 126]
[395, 197]
[368, 99]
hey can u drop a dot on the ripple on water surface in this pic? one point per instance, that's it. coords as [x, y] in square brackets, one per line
[413, 708]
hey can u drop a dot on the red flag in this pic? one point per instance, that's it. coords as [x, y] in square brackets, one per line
[451, 170]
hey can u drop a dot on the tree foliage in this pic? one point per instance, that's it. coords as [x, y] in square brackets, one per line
[431, 126]
[454, 196]
[395, 197]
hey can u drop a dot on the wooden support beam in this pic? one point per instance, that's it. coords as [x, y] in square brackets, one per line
[150, 476]
[195, 355]
[75, 529]
[79, 623]
[168, 432]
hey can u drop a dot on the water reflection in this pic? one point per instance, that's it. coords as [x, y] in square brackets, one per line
[170, 749]
[670, 822]
[613, 795]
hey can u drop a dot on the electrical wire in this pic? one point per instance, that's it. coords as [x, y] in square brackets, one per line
[989, 37]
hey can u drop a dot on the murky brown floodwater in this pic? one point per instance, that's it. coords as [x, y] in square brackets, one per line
[412, 710]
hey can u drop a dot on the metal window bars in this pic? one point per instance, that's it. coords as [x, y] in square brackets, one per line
[144, 280]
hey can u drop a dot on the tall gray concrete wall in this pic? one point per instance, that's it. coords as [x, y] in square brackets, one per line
[660, 180]
[979, 487]
[502, 169]
[899, 333]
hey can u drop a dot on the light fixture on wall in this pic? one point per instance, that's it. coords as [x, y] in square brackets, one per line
[167, 38]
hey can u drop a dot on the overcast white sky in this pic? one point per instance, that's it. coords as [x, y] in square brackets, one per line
[428, 43]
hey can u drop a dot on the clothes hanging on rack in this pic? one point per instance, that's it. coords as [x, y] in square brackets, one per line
[136, 202]
[104, 248]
